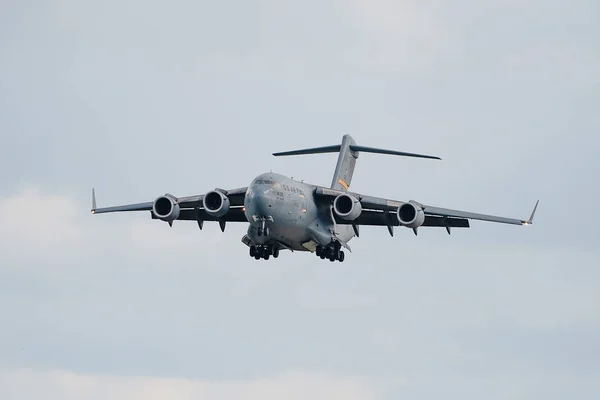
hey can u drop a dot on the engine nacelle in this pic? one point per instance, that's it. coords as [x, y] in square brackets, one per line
[347, 207]
[216, 203]
[410, 215]
[166, 208]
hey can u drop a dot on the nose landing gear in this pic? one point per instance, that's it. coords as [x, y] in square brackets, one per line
[264, 251]
[332, 252]
[263, 229]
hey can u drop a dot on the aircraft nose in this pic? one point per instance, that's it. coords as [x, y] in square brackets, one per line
[262, 202]
[259, 203]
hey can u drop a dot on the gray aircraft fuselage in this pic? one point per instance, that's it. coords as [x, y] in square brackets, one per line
[293, 216]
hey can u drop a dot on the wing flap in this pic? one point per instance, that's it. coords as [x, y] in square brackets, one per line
[370, 217]
[442, 222]
[233, 215]
[386, 218]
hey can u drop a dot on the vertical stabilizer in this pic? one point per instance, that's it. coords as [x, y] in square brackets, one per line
[346, 162]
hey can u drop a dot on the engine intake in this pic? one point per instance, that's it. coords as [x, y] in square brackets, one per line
[347, 207]
[410, 215]
[216, 203]
[166, 208]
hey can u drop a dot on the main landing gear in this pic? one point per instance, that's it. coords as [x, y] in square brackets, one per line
[264, 251]
[332, 252]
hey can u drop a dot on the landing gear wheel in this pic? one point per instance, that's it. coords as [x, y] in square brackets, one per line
[333, 254]
[275, 253]
[252, 251]
[266, 256]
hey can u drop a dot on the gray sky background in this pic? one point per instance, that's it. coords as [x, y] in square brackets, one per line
[142, 98]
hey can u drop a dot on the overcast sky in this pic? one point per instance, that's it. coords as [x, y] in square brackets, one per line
[139, 98]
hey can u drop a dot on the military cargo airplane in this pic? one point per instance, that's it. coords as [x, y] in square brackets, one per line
[284, 214]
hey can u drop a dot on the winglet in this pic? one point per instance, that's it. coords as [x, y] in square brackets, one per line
[530, 220]
[93, 201]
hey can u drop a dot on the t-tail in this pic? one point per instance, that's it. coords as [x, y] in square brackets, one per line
[346, 162]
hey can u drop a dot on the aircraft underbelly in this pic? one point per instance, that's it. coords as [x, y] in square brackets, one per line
[292, 235]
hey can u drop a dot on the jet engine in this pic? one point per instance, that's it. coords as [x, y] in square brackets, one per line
[347, 207]
[216, 203]
[166, 208]
[410, 215]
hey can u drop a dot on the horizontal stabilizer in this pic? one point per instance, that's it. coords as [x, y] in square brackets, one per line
[313, 150]
[390, 152]
[354, 148]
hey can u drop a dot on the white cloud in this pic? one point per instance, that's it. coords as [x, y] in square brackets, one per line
[32, 220]
[36, 224]
[57, 384]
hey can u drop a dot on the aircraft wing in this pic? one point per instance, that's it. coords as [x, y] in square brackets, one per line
[383, 212]
[191, 208]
